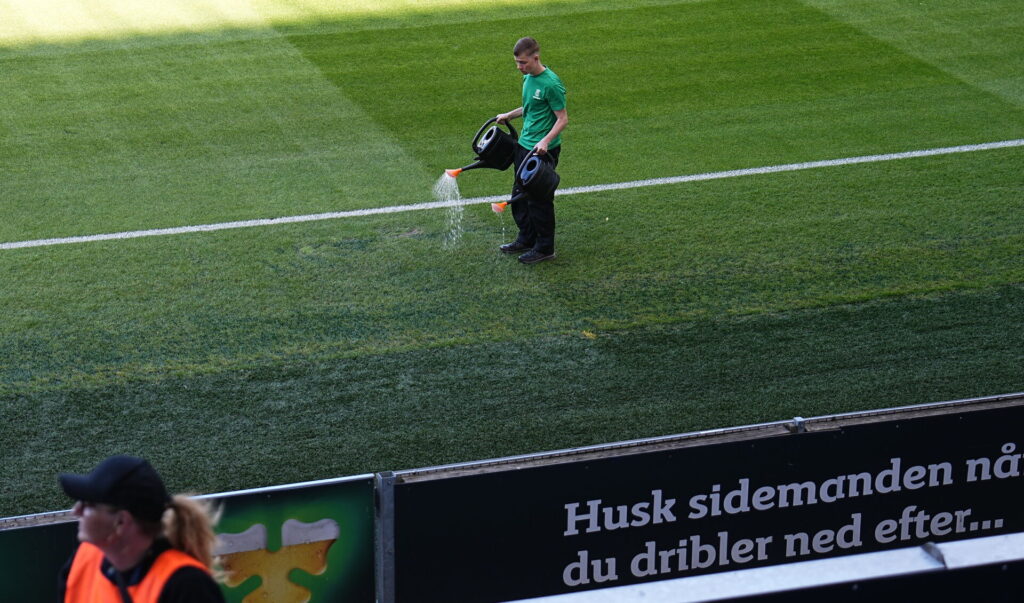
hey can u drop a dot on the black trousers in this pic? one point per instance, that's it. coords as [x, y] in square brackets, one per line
[535, 217]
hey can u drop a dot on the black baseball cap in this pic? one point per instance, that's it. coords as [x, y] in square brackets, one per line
[125, 482]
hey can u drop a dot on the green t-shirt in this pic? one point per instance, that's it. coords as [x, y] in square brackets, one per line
[542, 95]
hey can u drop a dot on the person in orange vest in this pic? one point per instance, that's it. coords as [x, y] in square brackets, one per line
[138, 544]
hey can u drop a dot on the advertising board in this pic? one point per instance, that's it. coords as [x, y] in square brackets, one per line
[753, 498]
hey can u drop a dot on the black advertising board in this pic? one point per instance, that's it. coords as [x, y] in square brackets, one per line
[32, 558]
[840, 488]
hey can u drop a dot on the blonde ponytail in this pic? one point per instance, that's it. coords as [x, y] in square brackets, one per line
[188, 525]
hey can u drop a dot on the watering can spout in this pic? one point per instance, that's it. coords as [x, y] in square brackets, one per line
[455, 172]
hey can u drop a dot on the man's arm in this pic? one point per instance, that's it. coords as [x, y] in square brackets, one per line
[513, 114]
[561, 120]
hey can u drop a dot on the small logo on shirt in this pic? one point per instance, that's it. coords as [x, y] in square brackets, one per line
[536, 94]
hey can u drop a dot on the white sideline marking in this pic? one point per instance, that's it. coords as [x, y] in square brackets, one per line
[597, 188]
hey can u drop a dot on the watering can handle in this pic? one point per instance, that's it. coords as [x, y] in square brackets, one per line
[533, 153]
[490, 121]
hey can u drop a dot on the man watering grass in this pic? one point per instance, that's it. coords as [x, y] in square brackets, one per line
[544, 117]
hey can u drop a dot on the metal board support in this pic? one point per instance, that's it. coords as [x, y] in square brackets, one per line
[384, 537]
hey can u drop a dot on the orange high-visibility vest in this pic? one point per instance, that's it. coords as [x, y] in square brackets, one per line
[87, 584]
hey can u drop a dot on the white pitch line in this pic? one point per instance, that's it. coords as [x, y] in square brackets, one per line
[597, 188]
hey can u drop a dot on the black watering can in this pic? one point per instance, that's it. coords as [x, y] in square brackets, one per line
[536, 177]
[494, 148]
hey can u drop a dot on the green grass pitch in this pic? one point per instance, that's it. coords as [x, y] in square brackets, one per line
[257, 356]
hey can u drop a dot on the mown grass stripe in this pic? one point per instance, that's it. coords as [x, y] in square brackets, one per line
[597, 188]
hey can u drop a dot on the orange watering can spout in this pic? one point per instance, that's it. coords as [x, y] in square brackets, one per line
[498, 207]
[453, 173]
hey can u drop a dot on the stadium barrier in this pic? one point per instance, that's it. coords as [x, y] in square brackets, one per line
[825, 497]
[702, 503]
